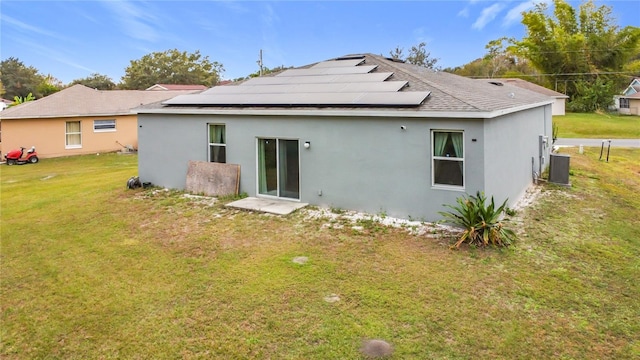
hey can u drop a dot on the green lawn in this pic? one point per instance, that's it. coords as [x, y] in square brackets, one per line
[598, 125]
[90, 270]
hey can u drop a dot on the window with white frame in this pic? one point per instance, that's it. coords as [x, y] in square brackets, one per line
[73, 135]
[624, 103]
[217, 143]
[447, 162]
[104, 125]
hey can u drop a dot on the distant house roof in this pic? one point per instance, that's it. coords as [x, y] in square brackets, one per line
[529, 86]
[360, 84]
[633, 88]
[166, 87]
[79, 100]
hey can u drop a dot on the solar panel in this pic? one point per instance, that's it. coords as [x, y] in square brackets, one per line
[338, 63]
[319, 79]
[339, 82]
[329, 70]
[304, 99]
[385, 86]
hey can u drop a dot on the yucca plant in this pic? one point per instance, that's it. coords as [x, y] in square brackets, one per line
[482, 223]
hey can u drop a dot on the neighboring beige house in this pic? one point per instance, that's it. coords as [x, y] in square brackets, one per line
[78, 120]
[169, 87]
[558, 107]
[629, 102]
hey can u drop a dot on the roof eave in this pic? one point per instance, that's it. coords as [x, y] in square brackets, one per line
[129, 112]
[480, 114]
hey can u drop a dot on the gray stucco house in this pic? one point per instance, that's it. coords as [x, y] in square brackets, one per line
[359, 132]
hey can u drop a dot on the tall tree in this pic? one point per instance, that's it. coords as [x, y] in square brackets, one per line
[577, 47]
[418, 55]
[498, 62]
[19, 79]
[171, 67]
[397, 53]
[96, 81]
[49, 85]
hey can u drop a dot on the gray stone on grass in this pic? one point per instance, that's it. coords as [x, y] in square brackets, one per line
[376, 348]
[300, 260]
[331, 298]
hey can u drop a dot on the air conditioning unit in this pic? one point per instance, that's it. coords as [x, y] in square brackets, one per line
[559, 169]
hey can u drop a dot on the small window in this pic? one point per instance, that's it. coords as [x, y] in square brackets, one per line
[624, 103]
[447, 158]
[104, 125]
[73, 135]
[217, 144]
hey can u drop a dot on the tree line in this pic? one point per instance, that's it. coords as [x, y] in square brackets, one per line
[580, 52]
[18, 80]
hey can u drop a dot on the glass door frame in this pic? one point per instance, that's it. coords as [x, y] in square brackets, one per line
[278, 169]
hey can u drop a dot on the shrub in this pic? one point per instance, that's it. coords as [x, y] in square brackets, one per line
[482, 223]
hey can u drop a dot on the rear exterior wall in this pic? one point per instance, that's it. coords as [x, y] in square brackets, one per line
[364, 164]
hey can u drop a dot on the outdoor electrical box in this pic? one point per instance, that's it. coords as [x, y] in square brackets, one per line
[559, 169]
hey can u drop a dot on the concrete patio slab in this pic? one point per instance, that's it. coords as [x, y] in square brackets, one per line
[272, 206]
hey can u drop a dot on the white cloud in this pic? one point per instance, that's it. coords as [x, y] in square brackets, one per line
[269, 16]
[234, 6]
[515, 14]
[421, 34]
[487, 15]
[270, 36]
[135, 20]
[464, 12]
[54, 54]
[28, 27]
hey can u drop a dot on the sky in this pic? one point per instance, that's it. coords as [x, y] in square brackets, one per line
[73, 39]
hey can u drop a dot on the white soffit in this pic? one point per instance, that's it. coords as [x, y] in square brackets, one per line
[338, 63]
[390, 86]
[304, 99]
[329, 71]
[319, 79]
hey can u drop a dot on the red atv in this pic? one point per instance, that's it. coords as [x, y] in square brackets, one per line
[14, 157]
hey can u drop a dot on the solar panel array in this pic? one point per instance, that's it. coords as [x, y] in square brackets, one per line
[302, 99]
[345, 82]
[386, 86]
[319, 79]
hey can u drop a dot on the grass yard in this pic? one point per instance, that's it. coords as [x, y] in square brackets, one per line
[598, 125]
[90, 270]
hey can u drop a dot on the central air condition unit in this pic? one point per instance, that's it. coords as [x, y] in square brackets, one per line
[559, 169]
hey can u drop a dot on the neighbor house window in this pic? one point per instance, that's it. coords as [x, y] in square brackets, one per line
[217, 143]
[624, 103]
[104, 125]
[447, 158]
[73, 135]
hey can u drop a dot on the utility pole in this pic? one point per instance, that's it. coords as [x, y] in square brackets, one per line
[260, 62]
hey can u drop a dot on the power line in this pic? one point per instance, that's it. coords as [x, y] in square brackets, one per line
[563, 74]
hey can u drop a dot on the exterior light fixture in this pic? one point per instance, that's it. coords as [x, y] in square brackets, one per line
[307, 144]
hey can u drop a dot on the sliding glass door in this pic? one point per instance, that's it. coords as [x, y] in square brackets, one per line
[279, 168]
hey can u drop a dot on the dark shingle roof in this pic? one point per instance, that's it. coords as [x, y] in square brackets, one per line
[449, 93]
[529, 86]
